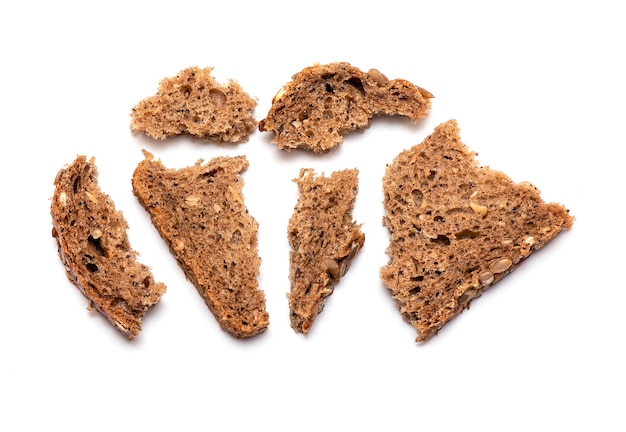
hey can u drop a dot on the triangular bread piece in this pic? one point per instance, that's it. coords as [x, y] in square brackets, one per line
[93, 245]
[322, 103]
[323, 238]
[456, 228]
[194, 103]
[200, 213]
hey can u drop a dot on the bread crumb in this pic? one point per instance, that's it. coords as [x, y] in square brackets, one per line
[433, 275]
[322, 103]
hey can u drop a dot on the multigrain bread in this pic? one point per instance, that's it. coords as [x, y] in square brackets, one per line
[323, 239]
[322, 103]
[192, 102]
[93, 245]
[199, 211]
[456, 228]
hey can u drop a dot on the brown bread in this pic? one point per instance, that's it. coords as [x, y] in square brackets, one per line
[199, 211]
[323, 103]
[456, 228]
[193, 102]
[323, 240]
[93, 245]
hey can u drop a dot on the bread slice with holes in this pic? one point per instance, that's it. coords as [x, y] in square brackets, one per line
[323, 239]
[322, 103]
[456, 228]
[200, 213]
[94, 247]
[194, 103]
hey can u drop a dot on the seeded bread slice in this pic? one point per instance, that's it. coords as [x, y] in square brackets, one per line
[93, 245]
[323, 240]
[199, 211]
[192, 102]
[456, 228]
[322, 103]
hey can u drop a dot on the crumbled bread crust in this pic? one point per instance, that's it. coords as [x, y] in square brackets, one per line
[456, 228]
[323, 239]
[322, 103]
[199, 211]
[94, 247]
[194, 103]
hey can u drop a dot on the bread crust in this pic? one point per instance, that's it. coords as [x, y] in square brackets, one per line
[93, 245]
[323, 239]
[194, 103]
[322, 103]
[199, 211]
[456, 228]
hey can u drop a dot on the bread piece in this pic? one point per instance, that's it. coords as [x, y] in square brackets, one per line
[456, 228]
[323, 103]
[93, 245]
[323, 240]
[199, 211]
[193, 102]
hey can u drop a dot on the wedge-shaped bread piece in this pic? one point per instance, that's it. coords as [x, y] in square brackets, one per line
[456, 228]
[322, 103]
[199, 211]
[93, 245]
[192, 102]
[323, 239]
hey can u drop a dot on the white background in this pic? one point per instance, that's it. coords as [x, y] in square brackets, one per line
[538, 91]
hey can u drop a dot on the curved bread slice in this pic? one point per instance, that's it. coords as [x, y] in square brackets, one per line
[323, 240]
[200, 213]
[456, 228]
[324, 102]
[193, 102]
[94, 247]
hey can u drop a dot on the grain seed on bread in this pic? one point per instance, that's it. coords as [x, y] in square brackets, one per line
[323, 239]
[193, 102]
[322, 103]
[456, 228]
[200, 213]
[93, 245]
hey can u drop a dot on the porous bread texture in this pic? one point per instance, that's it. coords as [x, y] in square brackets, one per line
[200, 213]
[456, 228]
[323, 239]
[322, 103]
[93, 245]
[193, 102]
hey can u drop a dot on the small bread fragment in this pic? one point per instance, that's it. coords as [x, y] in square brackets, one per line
[199, 211]
[323, 240]
[192, 102]
[323, 103]
[456, 228]
[93, 245]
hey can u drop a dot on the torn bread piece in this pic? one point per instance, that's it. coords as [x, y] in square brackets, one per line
[323, 238]
[200, 213]
[322, 103]
[456, 228]
[93, 245]
[193, 103]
